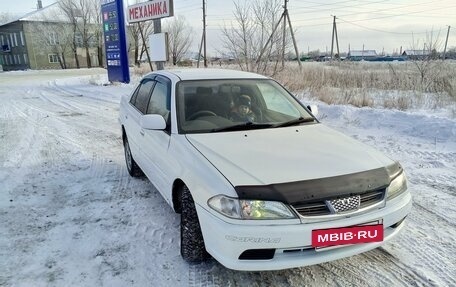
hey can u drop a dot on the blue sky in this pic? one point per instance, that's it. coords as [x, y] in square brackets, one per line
[376, 24]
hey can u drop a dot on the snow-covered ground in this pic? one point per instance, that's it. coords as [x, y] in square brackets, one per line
[70, 215]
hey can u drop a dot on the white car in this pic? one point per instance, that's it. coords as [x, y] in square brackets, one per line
[259, 182]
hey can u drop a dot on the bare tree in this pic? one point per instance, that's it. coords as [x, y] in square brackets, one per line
[424, 60]
[254, 24]
[70, 11]
[237, 41]
[55, 38]
[97, 27]
[136, 42]
[52, 35]
[267, 14]
[85, 18]
[179, 37]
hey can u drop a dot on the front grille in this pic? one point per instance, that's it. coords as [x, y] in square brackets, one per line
[371, 197]
[320, 208]
[312, 209]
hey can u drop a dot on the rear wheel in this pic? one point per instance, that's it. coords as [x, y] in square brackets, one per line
[192, 241]
[132, 167]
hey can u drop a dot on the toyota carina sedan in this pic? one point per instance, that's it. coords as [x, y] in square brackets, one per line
[259, 182]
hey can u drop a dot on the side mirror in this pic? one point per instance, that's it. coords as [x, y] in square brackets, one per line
[153, 122]
[313, 109]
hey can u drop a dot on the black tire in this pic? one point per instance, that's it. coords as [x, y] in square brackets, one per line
[132, 167]
[192, 241]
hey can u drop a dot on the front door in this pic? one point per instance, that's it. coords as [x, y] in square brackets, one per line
[155, 145]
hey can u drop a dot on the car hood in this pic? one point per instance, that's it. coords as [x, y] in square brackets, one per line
[289, 154]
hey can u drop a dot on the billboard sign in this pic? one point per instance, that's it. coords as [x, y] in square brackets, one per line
[150, 10]
[158, 44]
[115, 40]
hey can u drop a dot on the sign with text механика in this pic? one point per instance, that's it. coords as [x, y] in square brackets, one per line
[115, 40]
[150, 10]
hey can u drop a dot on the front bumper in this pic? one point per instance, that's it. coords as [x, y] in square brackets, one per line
[226, 241]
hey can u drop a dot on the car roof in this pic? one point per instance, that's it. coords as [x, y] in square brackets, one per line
[209, 74]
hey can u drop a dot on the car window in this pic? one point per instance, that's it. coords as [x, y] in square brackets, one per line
[142, 99]
[134, 96]
[275, 100]
[159, 101]
[212, 105]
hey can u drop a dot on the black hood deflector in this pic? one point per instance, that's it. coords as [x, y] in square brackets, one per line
[322, 188]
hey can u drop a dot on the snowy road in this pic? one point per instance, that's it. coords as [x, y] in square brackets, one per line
[71, 215]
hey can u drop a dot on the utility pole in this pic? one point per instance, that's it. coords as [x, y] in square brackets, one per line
[334, 33]
[203, 38]
[284, 34]
[204, 32]
[285, 16]
[199, 51]
[446, 42]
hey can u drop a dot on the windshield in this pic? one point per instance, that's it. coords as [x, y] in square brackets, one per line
[227, 105]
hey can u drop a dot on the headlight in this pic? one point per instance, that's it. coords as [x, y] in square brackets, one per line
[250, 209]
[397, 186]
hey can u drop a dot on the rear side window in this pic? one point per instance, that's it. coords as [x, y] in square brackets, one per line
[135, 95]
[141, 99]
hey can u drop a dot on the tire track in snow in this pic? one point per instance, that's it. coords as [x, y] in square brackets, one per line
[76, 101]
[342, 275]
[103, 112]
[78, 92]
[428, 251]
[403, 275]
[433, 213]
[53, 99]
[98, 167]
[80, 135]
[442, 183]
[48, 131]
[432, 155]
[29, 141]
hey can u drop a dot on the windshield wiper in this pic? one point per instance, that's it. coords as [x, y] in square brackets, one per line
[241, 127]
[294, 122]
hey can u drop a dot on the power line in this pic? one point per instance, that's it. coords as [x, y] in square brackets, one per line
[300, 8]
[397, 15]
[185, 6]
[405, 6]
[383, 31]
[336, 4]
[357, 13]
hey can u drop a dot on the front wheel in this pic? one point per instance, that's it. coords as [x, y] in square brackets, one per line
[132, 167]
[192, 241]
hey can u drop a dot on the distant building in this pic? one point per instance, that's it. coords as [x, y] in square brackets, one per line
[416, 54]
[42, 40]
[358, 55]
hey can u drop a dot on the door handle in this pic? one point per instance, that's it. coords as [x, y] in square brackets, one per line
[141, 132]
